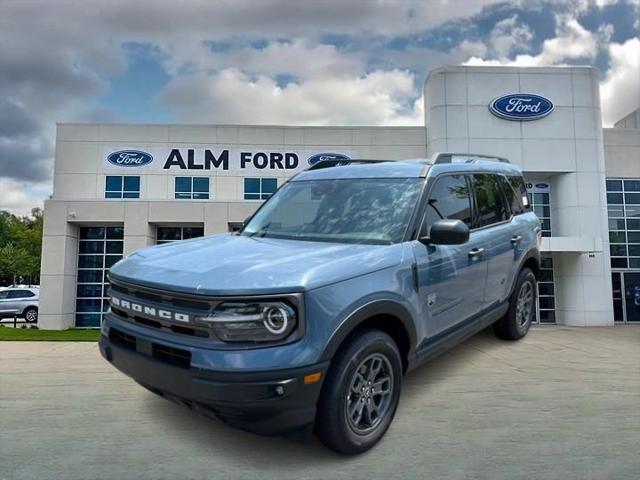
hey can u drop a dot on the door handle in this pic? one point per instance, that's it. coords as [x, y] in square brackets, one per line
[476, 252]
[516, 239]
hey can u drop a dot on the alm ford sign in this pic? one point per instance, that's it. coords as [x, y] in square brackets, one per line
[521, 106]
[130, 158]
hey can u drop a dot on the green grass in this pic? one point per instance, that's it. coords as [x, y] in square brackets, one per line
[8, 334]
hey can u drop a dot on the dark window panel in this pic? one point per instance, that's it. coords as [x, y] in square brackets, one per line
[200, 196]
[96, 246]
[110, 260]
[633, 237]
[618, 250]
[269, 185]
[618, 313]
[113, 195]
[615, 212]
[546, 289]
[614, 185]
[90, 276]
[183, 196]
[114, 246]
[541, 199]
[168, 233]
[634, 263]
[87, 319]
[115, 233]
[619, 263]
[192, 232]
[113, 183]
[89, 291]
[183, 184]
[547, 316]
[546, 261]
[251, 186]
[632, 185]
[131, 184]
[616, 224]
[633, 224]
[131, 195]
[252, 196]
[88, 305]
[615, 198]
[546, 302]
[632, 198]
[546, 276]
[634, 250]
[201, 184]
[90, 261]
[91, 233]
[617, 237]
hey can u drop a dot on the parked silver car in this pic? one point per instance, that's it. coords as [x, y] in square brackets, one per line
[21, 302]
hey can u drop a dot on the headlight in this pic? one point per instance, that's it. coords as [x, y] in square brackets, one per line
[252, 321]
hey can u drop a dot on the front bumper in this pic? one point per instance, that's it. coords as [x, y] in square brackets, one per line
[264, 402]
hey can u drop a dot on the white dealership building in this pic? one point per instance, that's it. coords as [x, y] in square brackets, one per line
[118, 188]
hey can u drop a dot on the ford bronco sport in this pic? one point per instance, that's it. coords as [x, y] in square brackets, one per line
[351, 274]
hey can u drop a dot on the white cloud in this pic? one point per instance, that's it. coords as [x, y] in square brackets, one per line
[20, 197]
[620, 90]
[232, 96]
[508, 36]
[572, 42]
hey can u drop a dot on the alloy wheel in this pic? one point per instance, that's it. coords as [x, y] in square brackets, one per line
[370, 394]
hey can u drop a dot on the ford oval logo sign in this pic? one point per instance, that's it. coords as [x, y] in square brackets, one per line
[318, 157]
[521, 106]
[130, 158]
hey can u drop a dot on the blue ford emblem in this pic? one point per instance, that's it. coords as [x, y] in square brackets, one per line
[318, 157]
[542, 185]
[130, 158]
[521, 106]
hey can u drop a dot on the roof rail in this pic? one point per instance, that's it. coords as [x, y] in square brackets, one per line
[448, 157]
[338, 162]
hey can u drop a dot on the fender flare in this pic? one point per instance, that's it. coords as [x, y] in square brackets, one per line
[363, 313]
[533, 253]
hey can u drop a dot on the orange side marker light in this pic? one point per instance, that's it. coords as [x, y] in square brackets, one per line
[312, 378]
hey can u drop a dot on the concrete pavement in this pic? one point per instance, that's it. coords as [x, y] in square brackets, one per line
[560, 404]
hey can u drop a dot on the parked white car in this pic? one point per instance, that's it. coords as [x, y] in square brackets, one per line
[20, 301]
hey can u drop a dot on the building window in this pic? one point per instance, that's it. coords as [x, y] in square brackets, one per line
[235, 226]
[259, 188]
[623, 199]
[192, 188]
[122, 186]
[172, 234]
[540, 202]
[99, 247]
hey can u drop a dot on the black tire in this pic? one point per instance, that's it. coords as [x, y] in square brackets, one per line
[348, 372]
[30, 314]
[516, 323]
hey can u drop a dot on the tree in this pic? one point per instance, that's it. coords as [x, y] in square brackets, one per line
[20, 246]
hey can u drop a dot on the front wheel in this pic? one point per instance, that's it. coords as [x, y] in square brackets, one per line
[360, 395]
[522, 308]
[31, 314]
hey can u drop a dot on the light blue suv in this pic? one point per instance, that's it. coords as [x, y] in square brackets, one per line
[351, 274]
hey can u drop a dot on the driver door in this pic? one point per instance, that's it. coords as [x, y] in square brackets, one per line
[451, 278]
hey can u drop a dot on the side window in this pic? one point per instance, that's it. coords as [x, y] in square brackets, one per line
[449, 199]
[518, 185]
[19, 294]
[4, 294]
[490, 203]
[514, 201]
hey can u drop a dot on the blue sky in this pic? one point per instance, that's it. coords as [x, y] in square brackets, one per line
[331, 62]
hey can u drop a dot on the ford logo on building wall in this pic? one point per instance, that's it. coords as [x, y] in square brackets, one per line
[130, 158]
[521, 106]
[318, 157]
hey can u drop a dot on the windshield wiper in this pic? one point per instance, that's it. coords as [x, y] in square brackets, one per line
[261, 232]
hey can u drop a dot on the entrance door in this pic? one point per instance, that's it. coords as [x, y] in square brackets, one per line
[632, 296]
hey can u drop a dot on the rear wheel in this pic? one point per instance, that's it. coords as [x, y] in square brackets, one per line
[522, 308]
[360, 395]
[30, 314]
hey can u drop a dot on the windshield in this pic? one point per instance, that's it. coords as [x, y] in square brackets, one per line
[371, 210]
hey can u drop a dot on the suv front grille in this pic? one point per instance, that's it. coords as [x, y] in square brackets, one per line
[173, 356]
[123, 339]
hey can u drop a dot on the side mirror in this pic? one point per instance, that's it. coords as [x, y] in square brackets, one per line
[447, 232]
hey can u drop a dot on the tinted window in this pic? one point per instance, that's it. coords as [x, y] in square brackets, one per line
[20, 294]
[3, 294]
[491, 206]
[449, 199]
[516, 192]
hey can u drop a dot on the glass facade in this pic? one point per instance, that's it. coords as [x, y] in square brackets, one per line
[623, 206]
[172, 234]
[192, 188]
[259, 188]
[539, 197]
[99, 247]
[122, 186]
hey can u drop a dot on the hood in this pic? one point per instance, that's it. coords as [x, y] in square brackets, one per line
[239, 265]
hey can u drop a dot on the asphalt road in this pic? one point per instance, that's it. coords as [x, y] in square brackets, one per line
[560, 404]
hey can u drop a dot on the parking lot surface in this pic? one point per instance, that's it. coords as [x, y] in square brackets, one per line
[560, 404]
